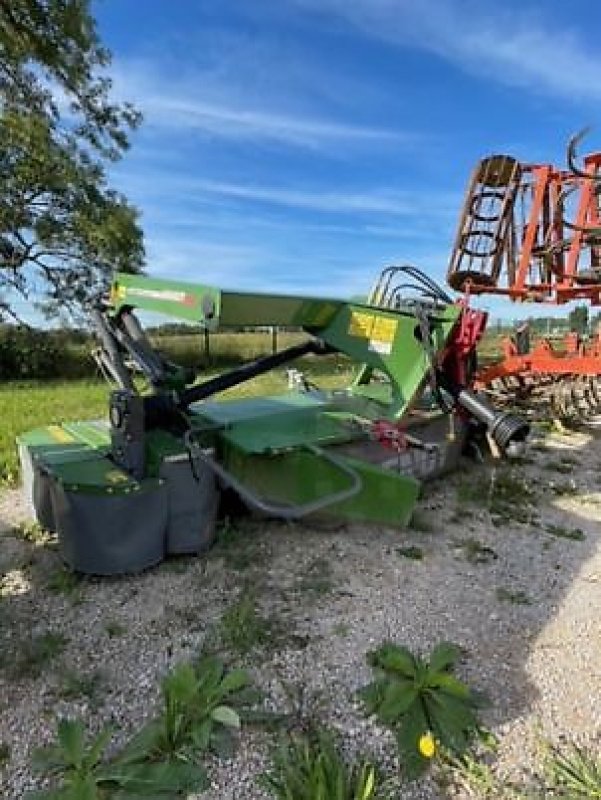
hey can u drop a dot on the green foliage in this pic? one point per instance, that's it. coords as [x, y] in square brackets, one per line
[5, 753]
[201, 709]
[74, 686]
[66, 582]
[310, 767]
[31, 532]
[242, 628]
[474, 551]
[38, 652]
[83, 775]
[317, 578]
[574, 773]
[62, 230]
[114, 628]
[561, 532]
[422, 701]
[29, 354]
[503, 492]
[414, 553]
[517, 597]
[578, 319]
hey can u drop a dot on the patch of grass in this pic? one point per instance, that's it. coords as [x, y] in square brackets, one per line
[561, 489]
[341, 629]
[317, 579]
[5, 753]
[235, 545]
[517, 597]
[66, 582]
[30, 404]
[503, 491]
[242, 629]
[564, 465]
[421, 523]
[474, 551]
[476, 777]
[37, 653]
[310, 767]
[573, 772]
[114, 628]
[414, 553]
[32, 532]
[74, 686]
[574, 534]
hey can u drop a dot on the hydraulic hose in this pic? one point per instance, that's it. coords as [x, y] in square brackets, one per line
[508, 430]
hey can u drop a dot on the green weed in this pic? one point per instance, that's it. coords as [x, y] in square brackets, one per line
[37, 653]
[317, 579]
[242, 628]
[66, 582]
[5, 753]
[414, 553]
[421, 523]
[235, 545]
[477, 778]
[518, 597]
[74, 686]
[310, 767]
[574, 534]
[422, 701]
[32, 532]
[573, 773]
[201, 709]
[562, 489]
[474, 551]
[503, 492]
[114, 628]
[81, 773]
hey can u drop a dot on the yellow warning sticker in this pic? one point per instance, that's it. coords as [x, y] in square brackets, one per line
[59, 434]
[384, 329]
[361, 324]
[115, 476]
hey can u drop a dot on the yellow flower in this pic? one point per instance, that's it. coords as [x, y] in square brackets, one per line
[426, 745]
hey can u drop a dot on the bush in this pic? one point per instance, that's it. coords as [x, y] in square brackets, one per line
[30, 354]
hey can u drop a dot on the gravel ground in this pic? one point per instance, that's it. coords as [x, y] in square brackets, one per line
[337, 594]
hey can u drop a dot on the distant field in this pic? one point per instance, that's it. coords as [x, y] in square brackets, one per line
[25, 405]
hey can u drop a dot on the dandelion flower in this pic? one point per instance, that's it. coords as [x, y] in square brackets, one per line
[426, 745]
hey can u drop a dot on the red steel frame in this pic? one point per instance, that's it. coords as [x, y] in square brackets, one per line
[546, 228]
[546, 243]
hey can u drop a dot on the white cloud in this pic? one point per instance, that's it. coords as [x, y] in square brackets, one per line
[155, 188]
[183, 113]
[224, 106]
[516, 48]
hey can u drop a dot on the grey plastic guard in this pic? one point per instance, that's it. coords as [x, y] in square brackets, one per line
[111, 534]
[284, 511]
[193, 503]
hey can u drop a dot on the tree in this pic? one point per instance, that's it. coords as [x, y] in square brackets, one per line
[62, 229]
[578, 320]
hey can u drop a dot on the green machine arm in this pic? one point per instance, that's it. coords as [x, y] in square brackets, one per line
[384, 339]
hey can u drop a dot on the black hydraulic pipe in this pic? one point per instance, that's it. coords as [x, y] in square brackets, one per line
[505, 428]
[110, 356]
[251, 370]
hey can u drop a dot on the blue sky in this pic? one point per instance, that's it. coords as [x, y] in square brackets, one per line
[302, 145]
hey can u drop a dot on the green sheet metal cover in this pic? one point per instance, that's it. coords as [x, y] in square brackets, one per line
[269, 424]
[71, 441]
[95, 475]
